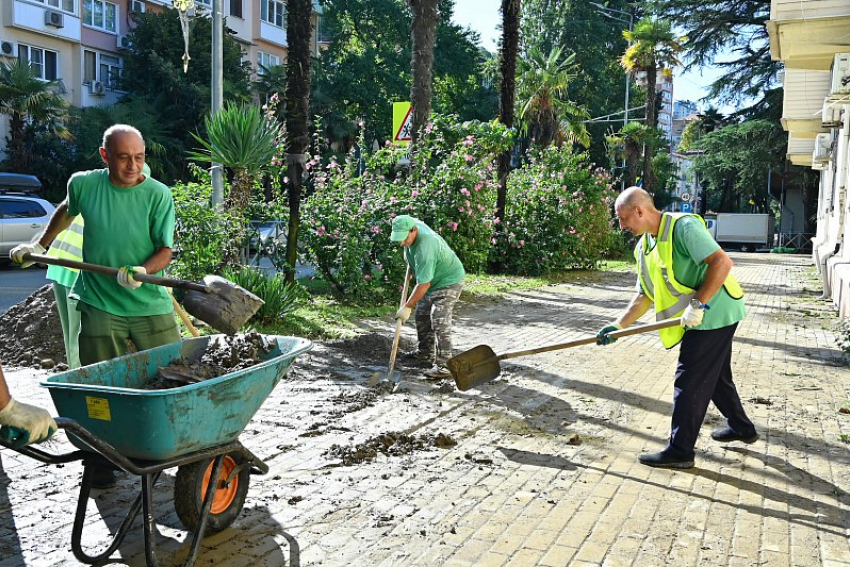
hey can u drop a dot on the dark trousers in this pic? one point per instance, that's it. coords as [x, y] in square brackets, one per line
[704, 374]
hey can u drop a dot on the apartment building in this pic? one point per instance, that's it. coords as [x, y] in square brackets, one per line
[811, 39]
[76, 41]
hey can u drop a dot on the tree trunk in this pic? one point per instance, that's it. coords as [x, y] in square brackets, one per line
[651, 118]
[299, 32]
[423, 36]
[507, 98]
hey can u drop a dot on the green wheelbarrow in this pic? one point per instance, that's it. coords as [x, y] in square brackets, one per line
[115, 422]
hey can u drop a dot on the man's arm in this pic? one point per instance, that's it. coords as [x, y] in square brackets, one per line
[719, 266]
[59, 221]
[22, 423]
[158, 260]
[639, 305]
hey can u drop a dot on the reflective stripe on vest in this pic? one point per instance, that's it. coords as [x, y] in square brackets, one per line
[69, 243]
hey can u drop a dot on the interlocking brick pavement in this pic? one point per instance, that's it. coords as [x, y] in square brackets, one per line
[545, 469]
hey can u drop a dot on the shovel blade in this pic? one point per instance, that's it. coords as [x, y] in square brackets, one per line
[474, 367]
[225, 307]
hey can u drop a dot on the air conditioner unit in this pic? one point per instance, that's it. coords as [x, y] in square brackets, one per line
[124, 41]
[137, 6]
[823, 148]
[8, 49]
[97, 88]
[830, 115]
[841, 74]
[55, 19]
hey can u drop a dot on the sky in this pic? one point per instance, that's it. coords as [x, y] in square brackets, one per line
[483, 17]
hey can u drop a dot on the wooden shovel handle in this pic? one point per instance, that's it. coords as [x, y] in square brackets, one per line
[110, 271]
[399, 323]
[616, 335]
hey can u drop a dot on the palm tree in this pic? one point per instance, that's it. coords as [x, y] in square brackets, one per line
[546, 113]
[507, 66]
[31, 105]
[423, 35]
[299, 31]
[652, 46]
[628, 143]
[244, 140]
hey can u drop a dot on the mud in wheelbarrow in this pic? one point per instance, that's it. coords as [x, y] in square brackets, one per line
[115, 422]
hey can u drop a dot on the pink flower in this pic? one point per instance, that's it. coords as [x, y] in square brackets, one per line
[367, 277]
[465, 191]
[414, 193]
[468, 158]
[453, 225]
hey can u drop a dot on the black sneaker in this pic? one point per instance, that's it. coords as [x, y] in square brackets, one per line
[102, 478]
[666, 460]
[727, 435]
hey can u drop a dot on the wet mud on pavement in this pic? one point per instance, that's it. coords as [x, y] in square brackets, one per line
[537, 467]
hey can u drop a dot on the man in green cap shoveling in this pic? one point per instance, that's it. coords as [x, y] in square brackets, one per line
[439, 280]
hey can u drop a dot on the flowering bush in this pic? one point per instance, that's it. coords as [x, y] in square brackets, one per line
[451, 187]
[558, 213]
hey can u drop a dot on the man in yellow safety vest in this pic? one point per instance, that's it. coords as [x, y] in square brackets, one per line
[682, 272]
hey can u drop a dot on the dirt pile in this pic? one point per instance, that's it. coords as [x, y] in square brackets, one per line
[223, 355]
[390, 444]
[31, 334]
[370, 346]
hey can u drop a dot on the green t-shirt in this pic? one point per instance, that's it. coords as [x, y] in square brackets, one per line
[124, 226]
[432, 260]
[692, 244]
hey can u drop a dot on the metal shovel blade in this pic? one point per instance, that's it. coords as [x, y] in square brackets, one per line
[225, 306]
[474, 367]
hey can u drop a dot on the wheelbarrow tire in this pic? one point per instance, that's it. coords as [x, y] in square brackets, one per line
[190, 488]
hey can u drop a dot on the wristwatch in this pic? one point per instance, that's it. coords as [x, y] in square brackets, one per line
[697, 304]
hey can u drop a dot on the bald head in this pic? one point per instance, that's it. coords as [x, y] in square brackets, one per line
[634, 197]
[636, 212]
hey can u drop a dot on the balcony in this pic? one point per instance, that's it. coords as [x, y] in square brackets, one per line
[800, 150]
[805, 34]
[803, 101]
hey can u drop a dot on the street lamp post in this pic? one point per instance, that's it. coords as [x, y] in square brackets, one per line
[607, 12]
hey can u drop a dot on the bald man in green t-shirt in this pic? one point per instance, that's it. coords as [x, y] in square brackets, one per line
[439, 281]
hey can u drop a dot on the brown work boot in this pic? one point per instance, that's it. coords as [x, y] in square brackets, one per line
[416, 358]
[438, 371]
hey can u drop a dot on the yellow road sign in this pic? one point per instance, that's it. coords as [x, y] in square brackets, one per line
[402, 123]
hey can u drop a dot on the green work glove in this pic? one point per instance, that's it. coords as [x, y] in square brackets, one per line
[603, 338]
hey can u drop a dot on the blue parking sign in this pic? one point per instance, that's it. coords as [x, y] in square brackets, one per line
[686, 207]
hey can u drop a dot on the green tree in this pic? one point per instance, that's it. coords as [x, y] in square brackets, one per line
[422, 30]
[738, 30]
[244, 140]
[32, 107]
[735, 165]
[652, 46]
[542, 87]
[628, 143]
[153, 71]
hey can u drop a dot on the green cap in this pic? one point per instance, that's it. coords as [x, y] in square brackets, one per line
[402, 225]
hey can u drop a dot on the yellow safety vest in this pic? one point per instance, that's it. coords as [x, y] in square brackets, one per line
[69, 243]
[659, 283]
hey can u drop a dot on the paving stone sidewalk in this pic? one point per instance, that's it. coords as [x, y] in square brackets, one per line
[545, 468]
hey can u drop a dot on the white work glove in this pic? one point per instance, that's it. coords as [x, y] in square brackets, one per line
[125, 276]
[18, 252]
[403, 313]
[24, 424]
[692, 316]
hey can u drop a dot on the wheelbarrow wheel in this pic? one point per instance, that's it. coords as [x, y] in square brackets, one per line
[190, 489]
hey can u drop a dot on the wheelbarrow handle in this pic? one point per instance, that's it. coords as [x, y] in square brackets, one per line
[579, 342]
[110, 271]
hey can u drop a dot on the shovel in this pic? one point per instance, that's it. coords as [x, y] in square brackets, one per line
[220, 303]
[395, 377]
[479, 365]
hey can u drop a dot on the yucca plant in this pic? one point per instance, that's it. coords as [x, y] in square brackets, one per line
[280, 298]
[243, 139]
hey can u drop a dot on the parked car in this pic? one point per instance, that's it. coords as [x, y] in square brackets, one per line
[22, 214]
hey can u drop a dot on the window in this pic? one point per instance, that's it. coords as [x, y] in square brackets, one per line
[267, 60]
[101, 67]
[101, 15]
[273, 12]
[236, 8]
[15, 209]
[64, 5]
[44, 63]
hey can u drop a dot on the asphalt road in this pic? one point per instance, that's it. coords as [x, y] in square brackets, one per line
[17, 284]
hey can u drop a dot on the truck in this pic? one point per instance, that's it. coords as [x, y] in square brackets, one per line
[743, 231]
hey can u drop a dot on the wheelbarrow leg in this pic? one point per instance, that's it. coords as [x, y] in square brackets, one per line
[205, 511]
[148, 480]
[79, 520]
